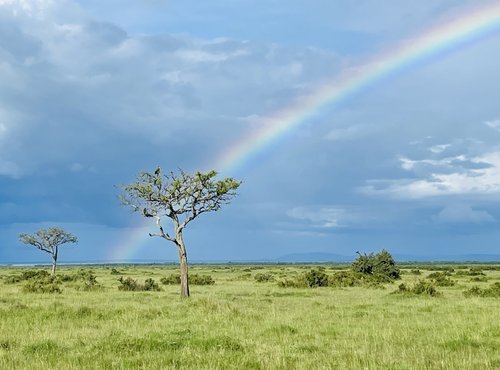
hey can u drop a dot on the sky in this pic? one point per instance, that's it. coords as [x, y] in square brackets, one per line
[93, 92]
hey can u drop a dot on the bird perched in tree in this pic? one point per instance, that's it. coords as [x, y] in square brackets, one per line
[158, 170]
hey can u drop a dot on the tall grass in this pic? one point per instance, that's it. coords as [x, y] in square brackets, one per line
[240, 323]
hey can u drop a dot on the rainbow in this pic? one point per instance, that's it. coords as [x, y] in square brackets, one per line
[457, 32]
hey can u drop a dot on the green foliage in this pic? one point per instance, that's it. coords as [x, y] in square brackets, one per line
[291, 283]
[342, 279]
[479, 279]
[114, 271]
[493, 291]
[36, 281]
[473, 271]
[172, 279]
[49, 284]
[415, 272]
[381, 264]
[131, 285]
[48, 240]
[262, 277]
[315, 278]
[156, 195]
[194, 279]
[364, 263]
[420, 288]
[151, 285]
[441, 278]
[25, 276]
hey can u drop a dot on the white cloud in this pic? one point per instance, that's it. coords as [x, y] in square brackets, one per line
[410, 164]
[461, 213]
[493, 124]
[436, 149]
[480, 181]
[326, 217]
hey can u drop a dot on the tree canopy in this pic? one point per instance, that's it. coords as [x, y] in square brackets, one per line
[181, 197]
[49, 240]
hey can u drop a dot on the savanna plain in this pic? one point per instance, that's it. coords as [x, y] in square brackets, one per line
[249, 317]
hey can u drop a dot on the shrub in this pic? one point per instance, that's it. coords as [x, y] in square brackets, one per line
[438, 275]
[171, 279]
[480, 279]
[441, 279]
[385, 265]
[493, 291]
[315, 278]
[132, 285]
[343, 279]
[310, 279]
[194, 279]
[363, 263]
[415, 272]
[48, 284]
[89, 283]
[381, 264]
[263, 277]
[26, 275]
[474, 271]
[151, 285]
[115, 272]
[128, 284]
[291, 283]
[420, 288]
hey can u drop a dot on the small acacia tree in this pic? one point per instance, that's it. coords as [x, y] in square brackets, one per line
[49, 240]
[181, 197]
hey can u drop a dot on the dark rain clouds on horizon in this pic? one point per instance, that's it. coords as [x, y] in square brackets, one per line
[85, 104]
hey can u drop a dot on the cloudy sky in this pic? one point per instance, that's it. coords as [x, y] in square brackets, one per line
[92, 92]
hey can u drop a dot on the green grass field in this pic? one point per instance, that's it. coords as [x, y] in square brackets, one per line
[239, 323]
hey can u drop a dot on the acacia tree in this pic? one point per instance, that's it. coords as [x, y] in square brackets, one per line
[181, 197]
[49, 240]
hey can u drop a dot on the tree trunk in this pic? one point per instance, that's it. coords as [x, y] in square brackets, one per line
[183, 266]
[54, 263]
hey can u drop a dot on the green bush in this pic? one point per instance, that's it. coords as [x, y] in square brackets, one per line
[420, 288]
[26, 275]
[415, 272]
[493, 291]
[194, 279]
[292, 283]
[151, 285]
[49, 284]
[381, 264]
[132, 285]
[263, 277]
[344, 279]
[441, 279]
[172, 279]
[315, 278]
[480, 279]
[473, 271]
